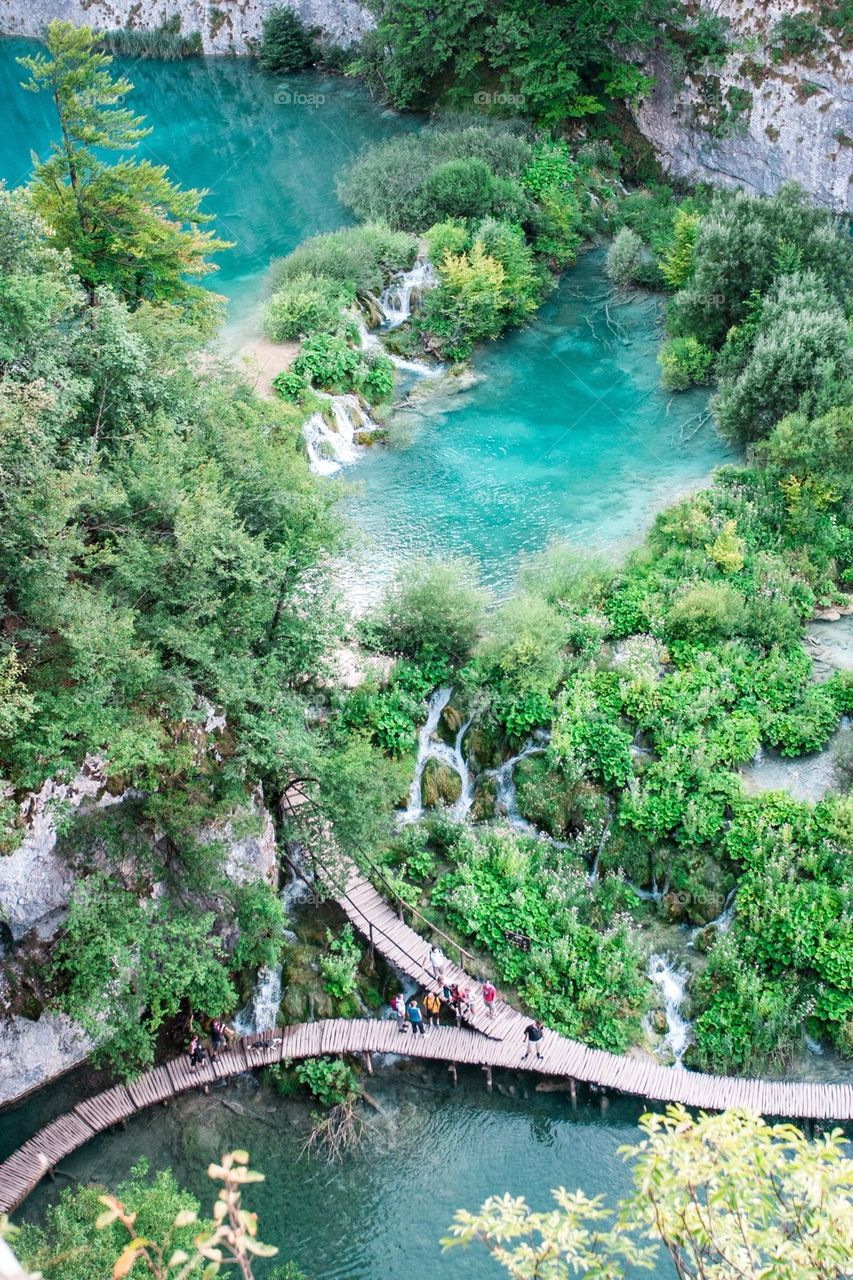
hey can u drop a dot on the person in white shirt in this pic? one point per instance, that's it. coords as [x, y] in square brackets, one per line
[437, 962]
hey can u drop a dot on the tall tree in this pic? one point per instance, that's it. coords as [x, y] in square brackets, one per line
[126, 224]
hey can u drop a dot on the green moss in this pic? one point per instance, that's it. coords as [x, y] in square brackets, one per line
[440, 784]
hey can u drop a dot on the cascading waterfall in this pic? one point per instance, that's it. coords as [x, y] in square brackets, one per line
[671, 981]
[432, 748]
[504, 780]
[332, 447]
[262, 1009]
[403, 292]
[370, 342]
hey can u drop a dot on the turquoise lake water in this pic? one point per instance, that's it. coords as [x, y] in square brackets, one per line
[381, 1212]
[567, 433]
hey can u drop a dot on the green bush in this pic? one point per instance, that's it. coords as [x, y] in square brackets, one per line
[376, 382]
[303, 305]
[624, 257]
[360, 258]
[447, 237]
[290, 386]
[339, 966]
[260, 920]
[286, 44]
[683, 362]
[796, 36]
[431, 609]
[415, 181]
[704, 613]
[329, 362]
[801, 359]
[330, 1080]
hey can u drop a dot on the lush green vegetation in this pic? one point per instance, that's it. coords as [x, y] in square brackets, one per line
[162, 548]
[286, 43]
[546, 62]
[692, 646]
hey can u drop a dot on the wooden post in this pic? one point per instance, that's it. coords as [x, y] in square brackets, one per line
[452, 1070]
[51, 1173]
[488, 1071]
[400, 910]
[605, 1101]
[370, 936]
[368, 1062]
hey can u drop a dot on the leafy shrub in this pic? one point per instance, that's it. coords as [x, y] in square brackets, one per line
[290, 386]
[451, 236]
[683, 362]
[624, 257]
[376, 381]
[708, 612]
[286, 44]
[340, 963]
[467, 306]
[303, 305]
[330, 1080]
[260, 920]
[800, 359]
[676, 264]
[806, 725]
[464, 188]
[328, 361]
[431, 609]
[361, 258]
[398, 181]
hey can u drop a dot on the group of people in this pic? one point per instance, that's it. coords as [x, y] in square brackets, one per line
[220, 1034]
[456, 998]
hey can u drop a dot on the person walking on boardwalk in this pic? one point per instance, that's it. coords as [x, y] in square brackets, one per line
[398, 1004]
[219, 1037]
[195, 1051]
[534, 1032]
[413, 1013]
[437, 962]
[432, 1008]
[489, 993]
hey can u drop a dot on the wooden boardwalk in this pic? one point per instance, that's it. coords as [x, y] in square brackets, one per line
[488, 1042]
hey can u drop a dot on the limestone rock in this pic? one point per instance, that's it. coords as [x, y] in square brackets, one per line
[224, 28]
[33, 1053]
[35, 881]
[796, 125]
[440, 784]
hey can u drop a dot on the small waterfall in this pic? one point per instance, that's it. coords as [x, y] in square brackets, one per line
[332, 447]
[432, 748]
[504, 779]
[370, 342]
[262, 1009]
[656, 894]
[403, 292]
[672, 983]
[605, 833]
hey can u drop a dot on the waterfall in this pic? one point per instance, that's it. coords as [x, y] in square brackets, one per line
[332, 447]
[402, 293]
[504, 779]
[432, 748]
[672, 982]
[261, 1011]
[370, 342]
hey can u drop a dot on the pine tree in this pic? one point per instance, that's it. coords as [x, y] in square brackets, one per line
[126, 225]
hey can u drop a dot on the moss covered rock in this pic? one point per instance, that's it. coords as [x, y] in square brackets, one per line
[440, 784]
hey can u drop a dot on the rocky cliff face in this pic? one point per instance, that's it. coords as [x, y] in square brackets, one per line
[752, 121]
[226, 26]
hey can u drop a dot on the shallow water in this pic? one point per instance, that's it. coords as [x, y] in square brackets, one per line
[566, 434]
[380, 1214]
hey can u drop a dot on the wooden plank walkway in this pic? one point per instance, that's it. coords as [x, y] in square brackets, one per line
[490, 1042]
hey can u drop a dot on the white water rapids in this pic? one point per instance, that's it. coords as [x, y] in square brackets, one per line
[671, 981]
[404, 291]
[331, 447]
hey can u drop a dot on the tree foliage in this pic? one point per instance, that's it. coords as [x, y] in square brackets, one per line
[726, 1197]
